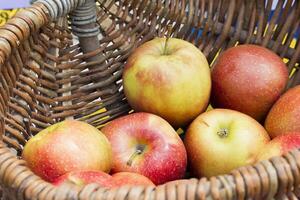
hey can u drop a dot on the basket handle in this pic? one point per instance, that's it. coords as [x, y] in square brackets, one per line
[58, 8]
[83, 17]
[83, 14]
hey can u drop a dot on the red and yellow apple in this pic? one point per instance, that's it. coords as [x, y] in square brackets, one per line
[146, 144]
[172, 80]
[284, 116]
[82, 178]
[249, 79]
[221, 140]
[67, 146]
[280, 145]
[130, 179]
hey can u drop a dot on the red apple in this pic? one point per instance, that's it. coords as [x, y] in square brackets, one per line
[249, 79]
[67, 146]
[280, 145]
[146, 144]
[284, 116]
[130, 179]
[221, 140]
[81, 178]
[172, 81]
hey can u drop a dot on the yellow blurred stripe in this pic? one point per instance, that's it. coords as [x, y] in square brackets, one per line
[293, 44]
[6, 14]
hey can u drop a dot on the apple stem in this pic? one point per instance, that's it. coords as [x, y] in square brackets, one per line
[139, 150]
[223, 132]
[167, 39]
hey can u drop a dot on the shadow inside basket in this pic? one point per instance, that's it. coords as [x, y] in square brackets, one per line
[72, 69]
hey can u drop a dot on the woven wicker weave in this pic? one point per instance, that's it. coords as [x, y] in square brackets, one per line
[64, 58]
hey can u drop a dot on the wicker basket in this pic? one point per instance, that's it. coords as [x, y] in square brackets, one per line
[64, 58]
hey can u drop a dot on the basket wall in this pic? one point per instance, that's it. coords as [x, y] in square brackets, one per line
[63, 60]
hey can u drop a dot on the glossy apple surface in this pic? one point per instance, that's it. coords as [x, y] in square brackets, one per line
[82, 178]
[67, 146]
[173, 82]
[249, 79]
[130, 179]
[221, 140]
[146, 144]
[284, 116]
[280, 145]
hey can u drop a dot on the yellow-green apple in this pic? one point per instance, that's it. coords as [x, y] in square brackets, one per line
[284, 116]
[249, 79]
[82, 178]
[67, 146]
[146, 144]
[221, 140]
[129, 178]
[170, 80]
[280, 145]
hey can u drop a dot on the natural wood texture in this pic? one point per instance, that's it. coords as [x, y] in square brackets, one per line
[54, 67]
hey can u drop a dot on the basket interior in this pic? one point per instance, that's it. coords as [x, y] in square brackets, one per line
[47, 78]
[49, 74]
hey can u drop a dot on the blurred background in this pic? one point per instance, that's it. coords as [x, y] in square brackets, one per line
[9, 4]
[9, 7]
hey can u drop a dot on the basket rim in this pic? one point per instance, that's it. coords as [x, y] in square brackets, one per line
[17, 30]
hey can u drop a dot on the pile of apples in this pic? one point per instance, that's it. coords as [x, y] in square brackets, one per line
[169, 85]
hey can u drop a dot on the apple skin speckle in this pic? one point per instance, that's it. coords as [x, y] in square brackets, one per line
[164, 157]
[67, 146]
[249, 79]
[175, 86]
[285, 114]
[210, 154]
[280, 145]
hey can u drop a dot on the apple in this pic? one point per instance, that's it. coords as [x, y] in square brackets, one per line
[280, 145]
[168, 78]
[284, 116]
[146, 144]
[132, 179]
[221, 140]
[82, 178]
[67, 146]
[248, 78]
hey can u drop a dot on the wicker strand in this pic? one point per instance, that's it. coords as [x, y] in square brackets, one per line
[59, 8]
[45, 78]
